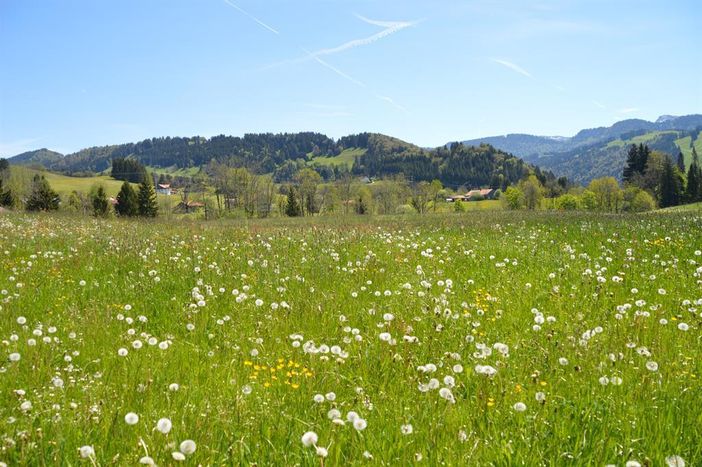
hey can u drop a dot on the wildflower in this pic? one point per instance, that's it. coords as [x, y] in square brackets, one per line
[519, 407]
[318, 398]
[131, 418]
[178, 456]
[322, 452]
[360, 424]
[173, 387]
[87, 452]
[652, 366]
[188, 447]
[447, 394]
[14, 357]
[406, 429]
[146, 460]
[540, 397]
[683, 326]
[164, 425]
[26, 406]
[122, 352]
[309, 438]
[674, 461]
[330, 396]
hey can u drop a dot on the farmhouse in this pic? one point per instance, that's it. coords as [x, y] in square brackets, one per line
[186, 207]
[483, 193]
[474, 195]
[164, 189]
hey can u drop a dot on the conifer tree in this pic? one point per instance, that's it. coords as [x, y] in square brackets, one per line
[670, 185]
[127, 201]
[42, 197]
[292, 207]
[99, 202]
[693, 192]
[148, 206]
[681, 162]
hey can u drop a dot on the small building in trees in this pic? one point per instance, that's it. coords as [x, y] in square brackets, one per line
[164, 189]
[482, 193]
[187, 207]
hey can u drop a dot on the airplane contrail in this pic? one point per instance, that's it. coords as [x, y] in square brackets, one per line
[261, 23]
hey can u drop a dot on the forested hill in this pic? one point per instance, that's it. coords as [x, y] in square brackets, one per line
[601, 152]
[369, 154]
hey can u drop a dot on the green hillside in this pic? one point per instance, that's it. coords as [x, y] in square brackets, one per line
[64, 184]
[345, 158]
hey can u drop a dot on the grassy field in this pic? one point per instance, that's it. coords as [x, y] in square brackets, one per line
[345, 158]
[481, 338]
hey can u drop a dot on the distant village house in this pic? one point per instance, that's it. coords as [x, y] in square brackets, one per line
[474, 195]
[164, 189]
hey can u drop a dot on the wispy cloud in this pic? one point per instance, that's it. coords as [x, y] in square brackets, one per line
[260, 23]
[513, 67]
[599, 104]
[390, 27]
[628, 110]
[390, 101]
[334, 69]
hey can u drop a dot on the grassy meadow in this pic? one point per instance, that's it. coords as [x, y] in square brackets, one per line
[476, 338]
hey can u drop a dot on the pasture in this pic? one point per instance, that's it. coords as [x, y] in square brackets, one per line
[480, 338]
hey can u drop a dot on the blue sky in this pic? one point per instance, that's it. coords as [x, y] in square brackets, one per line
[78, 73]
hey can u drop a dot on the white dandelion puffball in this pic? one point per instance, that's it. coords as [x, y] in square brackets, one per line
[318, 398]
[322, 452]
[14, 357]
[674, 461]
[131, 418]
[406, 429]
[351, 416]
[188, 447]
[87, 451]
[519, 407]
[652, 366]
[26, 406]
[178, 456]
[309, 438]
[164, 425]
[540, 396]
[360, 424]
[122, 352]
[146, 460]
[173, 387]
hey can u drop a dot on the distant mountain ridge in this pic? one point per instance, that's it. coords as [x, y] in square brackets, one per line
[598, 152]
[41, 156]
[373, 155]
[591, 153]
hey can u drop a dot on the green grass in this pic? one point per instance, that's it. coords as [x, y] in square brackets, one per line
[645, 138]
[175, 171]
[444, 287]
[345, 158]
[695, 207]
[64, 184]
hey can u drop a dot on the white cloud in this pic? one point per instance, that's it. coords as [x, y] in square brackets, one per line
[513, 67]
[629, 110]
